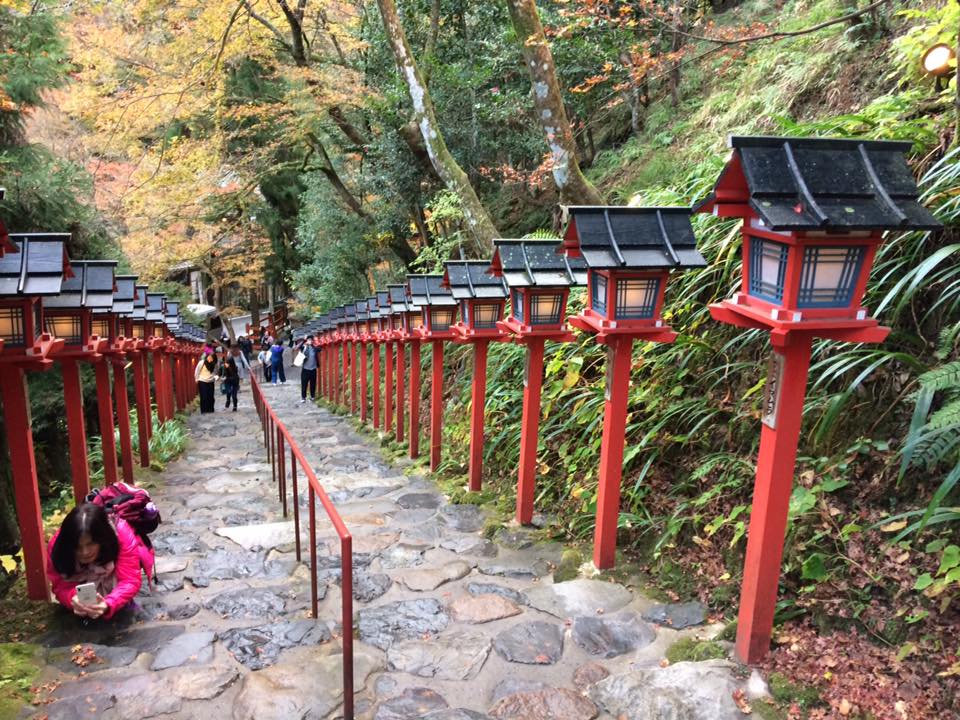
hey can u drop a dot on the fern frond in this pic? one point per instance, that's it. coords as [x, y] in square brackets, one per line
[943, 377]
[948, 338]
[932, 447]
[947, 416]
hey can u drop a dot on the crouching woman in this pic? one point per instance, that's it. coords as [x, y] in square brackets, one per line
[92, 547]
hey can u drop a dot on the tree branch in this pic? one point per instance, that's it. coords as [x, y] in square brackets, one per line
[267, 24]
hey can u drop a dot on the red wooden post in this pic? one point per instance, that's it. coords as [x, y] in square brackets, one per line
[414, 399]
[619, 358]
[478, 397]
[436, 405]
[168, 368]
[376, 386]
[123, 418]
[145, 378]
[76, 431]
[142, 392]
[363, 382]
[105, 410]
[160, 385]
[530, 428]
[321, 359]
[388, 387]
[401, 388]
[345, 375]
[16, 408]
[771, 500]
[353, 377]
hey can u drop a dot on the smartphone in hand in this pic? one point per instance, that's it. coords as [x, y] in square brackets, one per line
[87, 594]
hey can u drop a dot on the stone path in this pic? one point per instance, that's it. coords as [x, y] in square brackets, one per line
[449, 625]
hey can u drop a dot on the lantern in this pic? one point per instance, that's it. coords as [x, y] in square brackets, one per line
[350, 350]
[31, 266]
[814, 211]
[373, 331]
[482, 298]
[539, 281]
[385, 318]
[401, 308]
[629, 254]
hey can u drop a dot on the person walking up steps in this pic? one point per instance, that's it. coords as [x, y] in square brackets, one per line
[206, 374]
[276, 363]
[231, 380]
[308, 371]
[264, 358]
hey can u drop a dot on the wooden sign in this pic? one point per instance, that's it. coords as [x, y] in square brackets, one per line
[773, 390]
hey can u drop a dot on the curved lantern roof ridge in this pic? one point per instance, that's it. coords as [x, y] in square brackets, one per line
[833, 185]
[90, 287]
[631, 237]
[428, 290]
[469, 280]
[529, 263]
[38, 267]
[124, 294]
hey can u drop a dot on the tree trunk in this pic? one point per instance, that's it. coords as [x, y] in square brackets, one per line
[346, 127]
[478, 219]
[573, 186]
[255, 310]
[410, 134]
[330, 171]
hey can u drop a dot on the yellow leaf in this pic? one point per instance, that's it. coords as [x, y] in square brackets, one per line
[894, 526]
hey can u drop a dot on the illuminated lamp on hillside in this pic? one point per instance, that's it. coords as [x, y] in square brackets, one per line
[69, 316]
[363, 336]
[32, 266]
[398, 310]
[373, 333]
[814, 212]
[630, 254]
[351, 338]
[385, 335]
[539, 281]
[482, 298]
[439, 312]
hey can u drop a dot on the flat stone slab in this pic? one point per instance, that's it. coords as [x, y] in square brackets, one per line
[76, 708]
[688, 690]
[413, 704]
[384, 625]
[259, 647]
[458, 655]
[470, 545]
[90, 657]
[547, 704]
[612, 635]
[516, 596]
[189, 649]
[305, 685]
[476, 609]
[419, 500]
[264, 536]
[201, 683]
[579, 597]
[374, 542]
[589, 674]
[236, 481]
[369, 586]
[677, 615]
[177, 543]
[512, 685]
[401, 556]
[432, 578]
[165, 565]
[158, 611]
[455, 714]
[521, 570]
[531, 643]
[247, 603]
[463, 518]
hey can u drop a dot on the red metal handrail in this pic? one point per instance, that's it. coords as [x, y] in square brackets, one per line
[275, 436]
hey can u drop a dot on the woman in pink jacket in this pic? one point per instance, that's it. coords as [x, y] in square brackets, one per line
[92, 547]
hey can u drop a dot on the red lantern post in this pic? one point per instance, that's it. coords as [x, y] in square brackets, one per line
[140, 331]
[363, 332]
[412, 322]
[629, 253]
[439, 312]
[814, 211]
[482, 298]
[31, 266]
[398, 309]
[386, 337]
[539, 281]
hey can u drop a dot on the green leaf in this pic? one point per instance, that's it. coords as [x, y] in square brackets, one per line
[949, 560]
[833, 485]
[936, 546]
[814, 568]
[923, 582]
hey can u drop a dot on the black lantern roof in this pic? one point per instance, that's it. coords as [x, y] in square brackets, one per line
[155, 305]
[324, 321]
[373, 308]
[525, 263]
[629, 238]
[37, 268]
[90, 287]
[338, 315]
[140, 303]
[172, 317]
[123, 295]
[822, 184]
[429, 290]
[400, 302]
[468, 280]
[383, 303]
[350, 312]
[363, 312]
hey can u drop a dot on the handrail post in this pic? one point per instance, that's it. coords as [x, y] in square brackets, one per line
[313, 552]
[346, 621]
[296, 501]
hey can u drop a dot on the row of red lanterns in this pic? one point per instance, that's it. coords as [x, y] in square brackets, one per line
[55, 310]
[814, 213]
